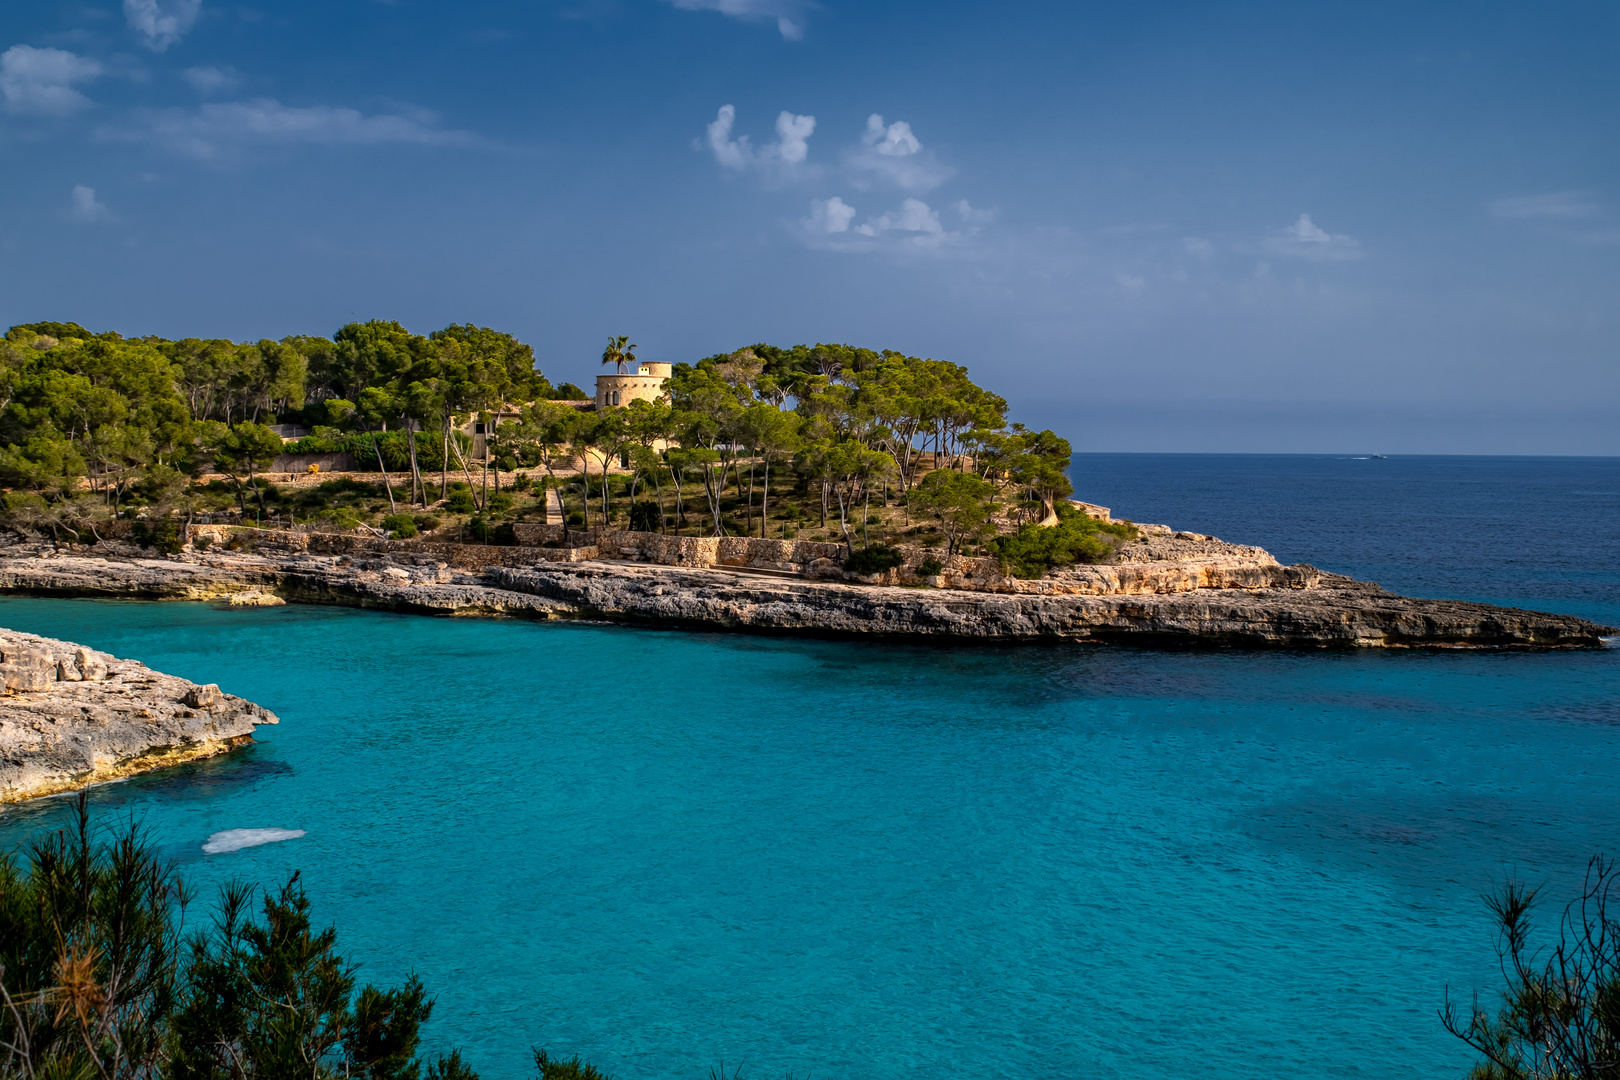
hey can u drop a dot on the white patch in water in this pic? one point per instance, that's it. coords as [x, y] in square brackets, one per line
[237, 839]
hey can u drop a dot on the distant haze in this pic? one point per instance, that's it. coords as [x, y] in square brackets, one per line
[1162, 226]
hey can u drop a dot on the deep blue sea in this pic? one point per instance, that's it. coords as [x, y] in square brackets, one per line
[663, 850]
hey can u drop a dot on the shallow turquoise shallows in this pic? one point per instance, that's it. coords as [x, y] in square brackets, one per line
[660, 850]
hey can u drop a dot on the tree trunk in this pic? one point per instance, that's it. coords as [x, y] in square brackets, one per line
[585, 491]
[866, 506]
[444, 463]
[765, 502]
[416, 471]
[749, 519]
[713, 494]
[376, 445]
[843, 525]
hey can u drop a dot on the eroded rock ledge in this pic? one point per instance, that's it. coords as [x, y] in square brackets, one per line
[72, 717]
[1193, 592]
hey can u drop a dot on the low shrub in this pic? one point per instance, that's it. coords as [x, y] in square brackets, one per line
[576, 518]
[1033, 551]
[500, 503]
[461, 502]
[202, 543]
[163, 536]
[930, 567]
[400, 526]
[645, 517]
[426, 522]
[874, 560]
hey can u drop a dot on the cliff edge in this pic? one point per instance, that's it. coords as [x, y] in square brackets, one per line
[72, 716]
[1178, 591]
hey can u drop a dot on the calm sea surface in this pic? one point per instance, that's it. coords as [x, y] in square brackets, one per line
[661, 850]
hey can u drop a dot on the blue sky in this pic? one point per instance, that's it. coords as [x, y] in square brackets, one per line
[1160, 226]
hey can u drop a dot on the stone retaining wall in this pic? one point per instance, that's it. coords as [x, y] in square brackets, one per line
[1238, 569]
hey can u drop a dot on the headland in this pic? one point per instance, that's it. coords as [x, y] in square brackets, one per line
[1162, 589]
[72, 717]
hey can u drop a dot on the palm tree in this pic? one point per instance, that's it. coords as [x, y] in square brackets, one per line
[617, 352]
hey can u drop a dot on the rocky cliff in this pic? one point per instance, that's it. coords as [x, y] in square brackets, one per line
[71, 716]
[1194, 595]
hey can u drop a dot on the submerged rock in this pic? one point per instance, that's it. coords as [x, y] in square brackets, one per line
[72, 717]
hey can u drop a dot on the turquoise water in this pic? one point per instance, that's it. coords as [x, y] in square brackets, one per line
[663, 850]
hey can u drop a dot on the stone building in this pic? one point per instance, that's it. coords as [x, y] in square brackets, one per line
[621, 388]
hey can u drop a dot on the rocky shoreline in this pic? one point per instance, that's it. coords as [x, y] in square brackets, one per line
[72, 717]
[1202, 593]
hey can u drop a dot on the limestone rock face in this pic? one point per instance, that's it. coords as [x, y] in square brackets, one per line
[72, 716]
[1165, 588]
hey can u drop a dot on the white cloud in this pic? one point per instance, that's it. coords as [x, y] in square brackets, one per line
[789, 14]
[973, 217]
[211, 80]
[41, 81]
[1197, 246]
[914, 226]
[829, 216]
[790, 150]
[914, 216]
[893, 153]
[212, 130]
[86, 207]
[161, 23]
[1131, 283]
[1557, 206]
[1304, 239]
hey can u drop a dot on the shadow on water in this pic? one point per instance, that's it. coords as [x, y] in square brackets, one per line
[200, 781]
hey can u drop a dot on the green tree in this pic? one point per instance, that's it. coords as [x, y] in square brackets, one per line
[1559, 1017]
[619, 353]
[959, 501]
[240, 452]
[100, 979]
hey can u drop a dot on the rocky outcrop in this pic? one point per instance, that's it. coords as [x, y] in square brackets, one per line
[72, 716]
[1203, 600]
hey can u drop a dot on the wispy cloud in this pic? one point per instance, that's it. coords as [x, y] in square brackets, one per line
[85, 206]
[211, 80]
[788, 14]
[1553, 206]
[161, 23]
[1305, 239]
[42, 81]
[913, 226]
[216, 130]
[786, 154]
[892, 153]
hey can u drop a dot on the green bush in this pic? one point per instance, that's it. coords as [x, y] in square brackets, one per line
[572, 1069]
[164, 536]
[930, 567]
[401, 526]
[461, 502]
[500, 503]
[426, 522]
[645, 517]
[102, 978]
[874, 560]
[1032, 551]
[576, 518]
